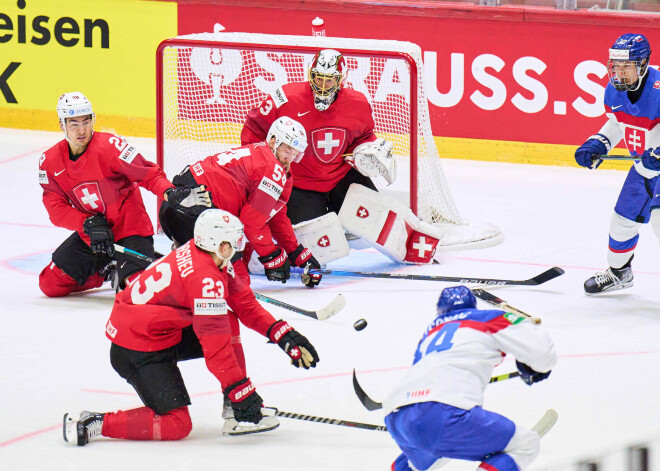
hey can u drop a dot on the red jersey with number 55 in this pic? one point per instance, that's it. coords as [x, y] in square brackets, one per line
[103, 180]
[181, 289]
[347, 123]
[250, 183]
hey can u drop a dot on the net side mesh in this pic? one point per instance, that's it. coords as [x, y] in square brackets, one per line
[210, 81]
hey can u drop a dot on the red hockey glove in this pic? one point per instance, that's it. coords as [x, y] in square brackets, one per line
[302, 257]
[101, 238]
[245, 401]
[301, 351]
[276, 265]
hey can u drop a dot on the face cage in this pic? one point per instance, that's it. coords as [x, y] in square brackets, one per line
[622, 86]
[322, 92]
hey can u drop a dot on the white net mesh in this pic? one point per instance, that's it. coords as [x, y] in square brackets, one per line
[211, 80]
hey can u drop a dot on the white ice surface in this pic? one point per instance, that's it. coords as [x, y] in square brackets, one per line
[54, 354]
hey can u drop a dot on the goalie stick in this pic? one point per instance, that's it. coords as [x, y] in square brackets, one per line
[325, 420]
[500, 303]
[537, 280]
[372, 405]
[322, 314]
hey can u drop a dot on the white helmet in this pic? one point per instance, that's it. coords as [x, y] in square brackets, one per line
[290, 132]
[215, 226]
[73, 104]
[330, 65]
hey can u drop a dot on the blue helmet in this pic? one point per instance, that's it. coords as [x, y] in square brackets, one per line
[455, 297]
[633, 50]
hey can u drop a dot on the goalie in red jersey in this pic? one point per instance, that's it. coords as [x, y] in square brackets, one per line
[181, 308]
[337, 168]
[253, 183]
[90, 186]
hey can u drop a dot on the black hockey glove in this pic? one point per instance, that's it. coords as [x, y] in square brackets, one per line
[301, 351]
[302, 257]
[530, 376]
[245, 401]
[276, 265]
[101, 238]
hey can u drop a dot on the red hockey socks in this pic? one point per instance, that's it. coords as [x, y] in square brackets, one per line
[144, 424]
[55, 283]
[236, 342]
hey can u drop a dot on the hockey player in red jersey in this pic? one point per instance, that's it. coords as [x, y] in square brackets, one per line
[181, 308]
[253, 183]
[90, 186]
[337, 169]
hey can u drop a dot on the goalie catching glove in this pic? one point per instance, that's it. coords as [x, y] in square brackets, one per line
[187, 197]
[101, 238]
[302, 257]
[301, 351]
[374, 158]
[245, 402]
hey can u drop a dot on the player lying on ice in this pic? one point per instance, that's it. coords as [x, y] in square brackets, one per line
[90, 186]
[334, 176]
[253, 183]
[183, 307]
[435, 411]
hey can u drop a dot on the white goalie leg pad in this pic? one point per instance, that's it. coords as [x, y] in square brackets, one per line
[621, 230]
[389, 226]
[523, 447]
[324, 236]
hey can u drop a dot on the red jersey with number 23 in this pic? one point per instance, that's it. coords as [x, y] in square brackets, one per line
[181, 289]
[347, 123]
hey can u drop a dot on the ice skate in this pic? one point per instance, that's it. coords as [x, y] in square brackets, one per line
[83, 429]
[234, 427]
[109, 273]
[609, 280]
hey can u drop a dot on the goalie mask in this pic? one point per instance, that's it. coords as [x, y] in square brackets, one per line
[628, 62]
[290, 132]
[454, 298]
[326, 77]
[74, 105]
[215, 226]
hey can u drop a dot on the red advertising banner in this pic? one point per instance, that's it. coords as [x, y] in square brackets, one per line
[507, 74]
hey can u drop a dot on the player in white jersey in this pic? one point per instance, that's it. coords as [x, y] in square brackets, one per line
[632, 104]
[435, 411]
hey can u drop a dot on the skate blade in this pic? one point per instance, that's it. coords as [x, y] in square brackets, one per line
[233, 428]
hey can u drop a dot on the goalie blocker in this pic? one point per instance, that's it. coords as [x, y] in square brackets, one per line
[388, 225]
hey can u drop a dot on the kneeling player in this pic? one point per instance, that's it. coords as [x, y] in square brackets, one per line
[178, 309]
[435, 412]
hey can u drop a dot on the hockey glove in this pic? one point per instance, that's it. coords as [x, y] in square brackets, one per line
[302, 352]
[245, 401]
[302, 257]
[530, 376]
[596, 145]
[101, 238]
[187, 197]
[651, 159]
[276, 265]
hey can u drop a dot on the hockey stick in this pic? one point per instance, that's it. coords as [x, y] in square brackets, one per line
[499, 302]
[372, 405]
[324, 420]
[322, 314]
[616, 157]
[537, 280]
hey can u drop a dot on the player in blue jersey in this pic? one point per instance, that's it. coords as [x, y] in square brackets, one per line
[435, 411]
[632, 105]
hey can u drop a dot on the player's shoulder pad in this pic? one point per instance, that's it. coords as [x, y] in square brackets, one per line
[118, 146]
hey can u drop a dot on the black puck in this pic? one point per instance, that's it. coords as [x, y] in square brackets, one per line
[360, 324]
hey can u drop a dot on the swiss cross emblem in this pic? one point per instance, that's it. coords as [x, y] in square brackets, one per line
[328, 143]
[323, 241]
[656, 84]
[89, 196]
[225, 218]
[362, 212]
[420, 248]
[635, 139]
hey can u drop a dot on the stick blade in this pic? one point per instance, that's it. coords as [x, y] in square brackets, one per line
[547, 275]
[331, 309]
[546, 422]
[366, 401]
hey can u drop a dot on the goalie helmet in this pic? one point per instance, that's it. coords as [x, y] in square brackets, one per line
[327, 75]
[630, 52]
[290, 132]
[454, 298]
[215, 226]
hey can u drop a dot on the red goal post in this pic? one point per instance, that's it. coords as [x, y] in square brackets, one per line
[207, 83]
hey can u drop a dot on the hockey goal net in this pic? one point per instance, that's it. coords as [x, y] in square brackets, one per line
[208, 82]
